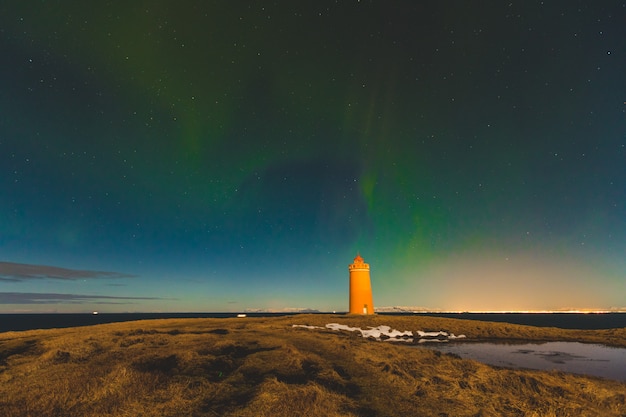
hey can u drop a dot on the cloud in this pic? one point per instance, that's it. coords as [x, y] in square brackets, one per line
[13, 272]
[54, 298]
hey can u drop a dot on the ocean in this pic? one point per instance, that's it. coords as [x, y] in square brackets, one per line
[584, 321]
[590, 321]
[19, 322]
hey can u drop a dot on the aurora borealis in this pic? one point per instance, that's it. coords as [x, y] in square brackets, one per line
[223, 156]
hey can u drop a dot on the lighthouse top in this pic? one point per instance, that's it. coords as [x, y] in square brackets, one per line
[359, 263]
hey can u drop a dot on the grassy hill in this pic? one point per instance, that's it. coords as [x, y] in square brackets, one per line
[267, 367]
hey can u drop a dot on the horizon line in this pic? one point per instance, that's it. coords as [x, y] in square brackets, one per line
[315, 311]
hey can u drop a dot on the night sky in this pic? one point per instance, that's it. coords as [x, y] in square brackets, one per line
[232, 155]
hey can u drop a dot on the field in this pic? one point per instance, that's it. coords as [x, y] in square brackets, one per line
[266, 367]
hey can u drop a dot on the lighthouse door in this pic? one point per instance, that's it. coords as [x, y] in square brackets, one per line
[364, 308]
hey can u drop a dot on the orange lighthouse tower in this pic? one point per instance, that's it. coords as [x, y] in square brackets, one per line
[361, 301]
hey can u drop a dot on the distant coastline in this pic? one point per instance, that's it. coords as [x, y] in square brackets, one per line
[583, 321]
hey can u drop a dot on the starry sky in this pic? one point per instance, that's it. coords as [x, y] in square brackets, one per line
[230, 155]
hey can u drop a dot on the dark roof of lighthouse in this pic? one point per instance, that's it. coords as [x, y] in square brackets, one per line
[358, 259]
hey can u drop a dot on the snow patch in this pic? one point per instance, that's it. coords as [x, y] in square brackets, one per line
[377, 333]
[383, 332]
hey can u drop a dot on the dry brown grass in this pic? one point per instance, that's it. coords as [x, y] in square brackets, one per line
[265, 367]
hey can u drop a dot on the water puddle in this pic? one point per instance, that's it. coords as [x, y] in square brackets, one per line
[572, 357]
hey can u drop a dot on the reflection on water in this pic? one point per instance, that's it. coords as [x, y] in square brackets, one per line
[574, 357]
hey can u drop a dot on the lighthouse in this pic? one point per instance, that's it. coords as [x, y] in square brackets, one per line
[361, 301]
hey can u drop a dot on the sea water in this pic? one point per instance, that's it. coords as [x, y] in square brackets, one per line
[592, 321]
[571, 357]
[586, 321]
[19, 322]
